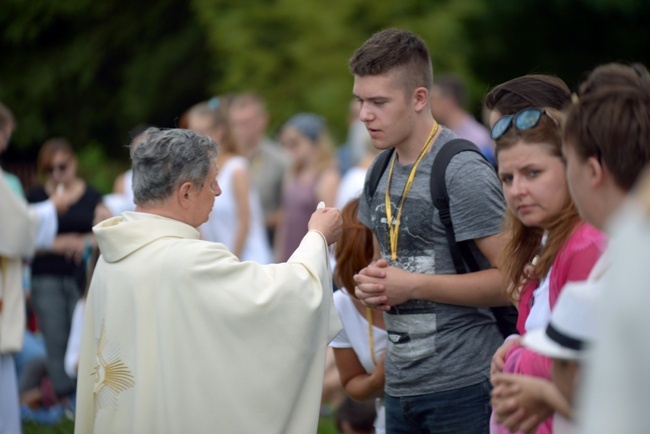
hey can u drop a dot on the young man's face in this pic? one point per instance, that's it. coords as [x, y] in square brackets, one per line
[248, 125]
[578, 177]
[386, 108]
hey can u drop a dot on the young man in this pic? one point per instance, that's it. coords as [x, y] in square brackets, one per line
[180, 336]
[440, 340]
[249, 120]
[607, 147]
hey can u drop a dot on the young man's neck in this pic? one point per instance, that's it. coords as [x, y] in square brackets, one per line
[409, 150]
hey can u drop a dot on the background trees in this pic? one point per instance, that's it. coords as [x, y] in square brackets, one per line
[91, 71]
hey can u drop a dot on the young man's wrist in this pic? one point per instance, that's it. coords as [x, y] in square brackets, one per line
[417, 286]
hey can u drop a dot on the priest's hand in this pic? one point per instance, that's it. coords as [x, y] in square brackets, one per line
[328, 222]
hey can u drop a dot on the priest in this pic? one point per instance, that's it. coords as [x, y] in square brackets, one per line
[179, 335]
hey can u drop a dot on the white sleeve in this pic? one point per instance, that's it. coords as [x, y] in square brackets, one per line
[48, 225]
[71, 360]
[17, 224]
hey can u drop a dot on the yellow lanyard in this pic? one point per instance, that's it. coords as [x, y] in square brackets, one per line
[393, 230]
[370, 335]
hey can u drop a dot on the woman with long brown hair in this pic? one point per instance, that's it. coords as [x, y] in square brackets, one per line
[550, 244]
[360, 348]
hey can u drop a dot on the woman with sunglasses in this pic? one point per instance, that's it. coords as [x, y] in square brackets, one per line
[550, 243]
[59, 275]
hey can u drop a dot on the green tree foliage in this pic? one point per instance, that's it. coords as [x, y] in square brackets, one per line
[564, 38]
[295, 53]
[91, 71]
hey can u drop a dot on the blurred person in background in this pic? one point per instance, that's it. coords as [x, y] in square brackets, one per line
[59, 273]
[313, 177]
[22, 229]
[236, 219]
[354, 417]
[249, 120]
[448, 105]
[350, 153]
[121, 199]
[352, 181]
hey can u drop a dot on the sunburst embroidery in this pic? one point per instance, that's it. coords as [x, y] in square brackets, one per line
[112, 376]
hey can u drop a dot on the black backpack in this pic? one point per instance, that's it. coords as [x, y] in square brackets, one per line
[506, 316]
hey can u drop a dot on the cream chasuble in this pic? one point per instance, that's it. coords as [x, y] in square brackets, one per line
[18, 228]
[181, 337]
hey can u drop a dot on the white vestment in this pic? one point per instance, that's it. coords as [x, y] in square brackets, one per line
[22, 228]
[18, 235]
[181, 337]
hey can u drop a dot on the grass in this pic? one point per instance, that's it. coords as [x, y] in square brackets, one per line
[325, 426]
[64, 427]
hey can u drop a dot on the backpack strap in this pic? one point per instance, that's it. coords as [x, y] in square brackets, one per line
[460, 252]
[505, 316]
[381, 163]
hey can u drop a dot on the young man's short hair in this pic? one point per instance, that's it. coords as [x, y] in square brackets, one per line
[392, 49]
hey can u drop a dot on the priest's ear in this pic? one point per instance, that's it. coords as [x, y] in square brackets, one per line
[185, 195]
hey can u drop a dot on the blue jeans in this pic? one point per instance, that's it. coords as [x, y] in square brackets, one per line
[460, 411]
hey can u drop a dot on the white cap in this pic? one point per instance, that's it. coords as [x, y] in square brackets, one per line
[572, 325]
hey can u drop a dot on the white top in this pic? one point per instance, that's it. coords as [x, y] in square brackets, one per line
[540, 313]
[355, 335]
[221, 227]
[351, 186]
[117, 203]
[74, 340]
[613, 389]
[562, 425]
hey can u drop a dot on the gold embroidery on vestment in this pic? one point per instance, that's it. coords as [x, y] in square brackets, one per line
[112, 376]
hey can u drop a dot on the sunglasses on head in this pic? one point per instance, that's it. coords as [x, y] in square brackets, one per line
[524, 120]
[58, 168]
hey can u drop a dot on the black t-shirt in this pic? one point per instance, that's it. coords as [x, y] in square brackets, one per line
[77, 219]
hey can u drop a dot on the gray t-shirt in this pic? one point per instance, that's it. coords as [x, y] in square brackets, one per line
[433, 347]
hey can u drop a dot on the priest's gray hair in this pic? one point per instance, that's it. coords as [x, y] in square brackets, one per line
[164, 159]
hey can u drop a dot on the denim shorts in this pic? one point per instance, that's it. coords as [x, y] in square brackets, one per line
[461, 411]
